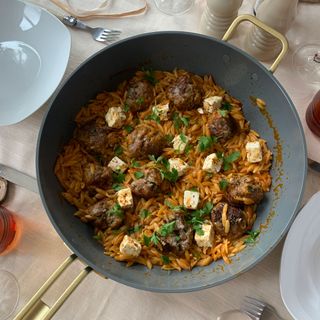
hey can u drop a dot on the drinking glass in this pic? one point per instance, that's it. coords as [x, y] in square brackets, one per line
[174, 7]
[10, 294]
[306, 61]
[9, 288]
[8, 230]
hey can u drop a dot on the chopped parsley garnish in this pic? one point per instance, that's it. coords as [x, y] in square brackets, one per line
[128, 128]
[187, 149]
[116, 210]
[118, 150]
[194, 189]
[167, 228]
[179, 121]
[149, 75]
[134, 229]
[223, 113]
[173, 207]
[153, 116]
[171, 176]
[225, 106]
[166, 173]
[117, 186]
[98, 236]
[165, 259]
[138, 174]
[140, 100]
[118, 177]
[196, 217]
[126, 108]
[183, 138]
[154, 239]
[135, 164]
[144, 213]
[223, 184]
[206, 142]
[252, 236]
[146, 240]
[234, 156]
[169, 137]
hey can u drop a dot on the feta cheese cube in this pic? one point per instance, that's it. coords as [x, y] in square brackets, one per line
[212, 103]
[180, 142]
[179, 165]
[115, 117]
[200, 110]
[212, 163]
[116, 164]
[161, 110]
[254, 152]
[191, 199]
[130, 247]
[125, 198]
[205, 240]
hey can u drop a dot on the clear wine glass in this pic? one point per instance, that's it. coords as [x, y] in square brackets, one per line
[10, 293]
[306, 62]
[174, 7]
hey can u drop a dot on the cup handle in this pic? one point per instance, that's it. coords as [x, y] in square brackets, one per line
[36, 309]
[263, 26]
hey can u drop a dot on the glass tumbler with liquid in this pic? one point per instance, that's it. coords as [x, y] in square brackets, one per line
[313, 115]
[8, 230]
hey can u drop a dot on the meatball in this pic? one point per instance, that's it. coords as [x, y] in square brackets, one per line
[149, 185]
[145, 140]
[184, 94]
[139, 95]
[181, 237]
[96, 175]
[97, 139]
[220, 126]
[244, 190]
[236, 218]
[103, 215]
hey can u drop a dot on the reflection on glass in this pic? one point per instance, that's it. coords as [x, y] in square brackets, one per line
[174, 7]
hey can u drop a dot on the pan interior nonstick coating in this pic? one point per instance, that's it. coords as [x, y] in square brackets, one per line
[232, 69]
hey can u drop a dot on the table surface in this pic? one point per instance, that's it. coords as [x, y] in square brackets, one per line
[40, 249]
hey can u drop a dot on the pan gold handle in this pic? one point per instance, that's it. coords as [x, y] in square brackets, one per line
[36, 309]
[263, 26]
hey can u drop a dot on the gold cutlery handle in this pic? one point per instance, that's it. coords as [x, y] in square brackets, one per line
[263, 26]
[36, 309]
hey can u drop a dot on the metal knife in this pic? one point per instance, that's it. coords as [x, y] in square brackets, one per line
[19, 178]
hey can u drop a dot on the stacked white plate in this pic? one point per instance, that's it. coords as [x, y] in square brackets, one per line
[300, 264]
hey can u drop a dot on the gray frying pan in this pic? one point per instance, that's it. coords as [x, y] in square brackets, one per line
[234, 70]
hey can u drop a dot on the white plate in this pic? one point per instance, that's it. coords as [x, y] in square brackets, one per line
[300, 264]
[34, 52]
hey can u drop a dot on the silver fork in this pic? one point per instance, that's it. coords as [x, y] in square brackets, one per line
[255, 309]
[98, 34]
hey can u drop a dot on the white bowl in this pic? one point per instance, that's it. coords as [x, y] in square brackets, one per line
[34, 52]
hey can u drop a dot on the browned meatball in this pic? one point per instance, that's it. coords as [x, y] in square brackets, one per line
[149, 185]
[244, 190]
[139, 95]
[97, 139]
[145, 140]
[96, 175]
[184, 94]
[220, 126]
[236, 218]
[181, 237]
[105, 213]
